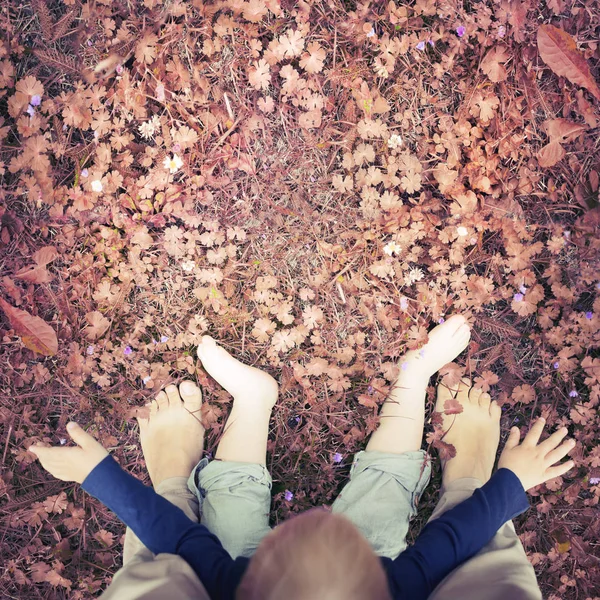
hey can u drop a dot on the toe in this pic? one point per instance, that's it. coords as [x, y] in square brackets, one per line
[173, 395]
[191, 395]
[475, 394]
[484, 401]
[155, 404]
[206, 344]
[161, 402]
[495, 410]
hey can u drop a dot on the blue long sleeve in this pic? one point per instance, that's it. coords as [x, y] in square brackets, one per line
[163, 527]
[447, 542]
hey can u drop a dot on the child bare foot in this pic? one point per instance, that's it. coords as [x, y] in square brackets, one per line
[248, 385]
[446, 342]
[475, 432]
[172, 437]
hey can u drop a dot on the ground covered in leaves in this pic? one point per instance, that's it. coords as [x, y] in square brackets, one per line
[315, 184]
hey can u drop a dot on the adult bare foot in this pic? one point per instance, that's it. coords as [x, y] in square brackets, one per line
[172, 437]
[475, 432]
[248, 385]
[446, 342]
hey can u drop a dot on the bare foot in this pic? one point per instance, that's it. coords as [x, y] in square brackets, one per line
[475, 432]
[248, 385]
[172, 437]
[446, 342]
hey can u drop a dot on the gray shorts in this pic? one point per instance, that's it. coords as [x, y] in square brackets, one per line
[235, 499]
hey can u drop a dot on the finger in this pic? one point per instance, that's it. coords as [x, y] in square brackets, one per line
[533, 435]
[513, 438]
[559, 470]
[560, 452]
[79, 435]
[553, 441]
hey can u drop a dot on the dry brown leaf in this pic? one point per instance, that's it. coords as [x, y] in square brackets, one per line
[491, 64]
[550, 154]
[35, 333]
[562, 130]
[559, 51]
[45, 255]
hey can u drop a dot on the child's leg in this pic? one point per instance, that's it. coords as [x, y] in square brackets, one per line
[387, 480]
[172, 439]
[236, 487]
[500, 569]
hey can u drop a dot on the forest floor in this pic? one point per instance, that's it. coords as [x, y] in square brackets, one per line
[316, 185]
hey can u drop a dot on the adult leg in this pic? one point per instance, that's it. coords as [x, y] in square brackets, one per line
[500, 570]
[235, 488]
[172, 439]
[388, 478]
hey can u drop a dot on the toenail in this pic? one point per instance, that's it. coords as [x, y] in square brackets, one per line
[187, 387]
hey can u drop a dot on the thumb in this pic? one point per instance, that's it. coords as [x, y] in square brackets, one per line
[513, 438]
[78, 434]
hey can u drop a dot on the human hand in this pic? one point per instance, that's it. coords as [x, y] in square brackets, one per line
[532, 462]
[73, 463]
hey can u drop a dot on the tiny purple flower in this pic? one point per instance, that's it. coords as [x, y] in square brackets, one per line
[523, 289]
[176, 148]
[460, 31]
[84, 172]
[36, 100]
[89, 42]
[163, 339]
[297, 419]
[62, 441]
[567, 234]
[422, 353]
[441, 320]
[594, 480]
[30, 110]
[404, 366]
[573, 394]
[119, 69]
[370, 389]
[421, 46]
[337, 457]
[430, 42]
[589, 314]
[501, 31]
[288, 495]
[127, 351]
[90, 350]
[518, 297]
[598, 286]
[404, 301]
[556, 365]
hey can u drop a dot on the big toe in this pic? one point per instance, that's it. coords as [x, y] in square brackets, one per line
[191, 395]
[206, 346]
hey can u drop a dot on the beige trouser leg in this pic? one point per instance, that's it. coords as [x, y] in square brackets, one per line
[151, 576]
[499, 571]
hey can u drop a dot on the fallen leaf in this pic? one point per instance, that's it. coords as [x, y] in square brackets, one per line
[550, 154]
[491, 64]
[559, 51]
[35, 333]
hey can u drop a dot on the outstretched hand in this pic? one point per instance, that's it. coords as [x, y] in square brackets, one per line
[72, 463]
[532, 462]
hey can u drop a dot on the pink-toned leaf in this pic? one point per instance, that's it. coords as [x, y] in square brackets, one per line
[562, 130]
[559, 51]
[550, 154]
[492, 65]
[452, 407]
[45, 255]
[35, 333]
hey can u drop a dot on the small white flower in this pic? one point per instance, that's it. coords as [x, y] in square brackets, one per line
[96, 185]
[173, 164]
[394, 141]
[188, 265]
[462, 231]
[371, 33]
[148, 129]
[146, 379]
[63, 441]
[392, 248]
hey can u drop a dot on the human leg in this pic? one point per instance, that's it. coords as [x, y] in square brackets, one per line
[172, 438]
[500, 569]
[235, 488]
[387, 479]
